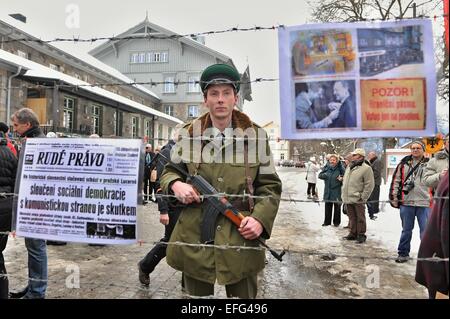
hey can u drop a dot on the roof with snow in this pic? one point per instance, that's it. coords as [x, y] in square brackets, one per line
[36, 70]
[146, 27]
[28, 31]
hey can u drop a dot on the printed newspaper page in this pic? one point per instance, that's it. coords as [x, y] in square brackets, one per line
[79, 190]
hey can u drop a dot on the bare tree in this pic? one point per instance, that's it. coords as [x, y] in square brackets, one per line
[362, 10]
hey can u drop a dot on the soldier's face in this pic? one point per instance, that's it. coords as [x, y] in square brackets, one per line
[220, 100]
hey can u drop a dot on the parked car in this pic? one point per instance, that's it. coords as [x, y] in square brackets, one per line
[300, 164]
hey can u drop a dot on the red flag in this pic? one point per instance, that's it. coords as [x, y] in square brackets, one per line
[446, 23]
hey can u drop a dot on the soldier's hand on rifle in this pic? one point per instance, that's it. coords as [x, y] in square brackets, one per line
[185, 193]
[250, 228]
[164, 218]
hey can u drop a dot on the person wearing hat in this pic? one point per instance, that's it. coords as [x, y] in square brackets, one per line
[235, 175]
[436, 167]
[357, 186]
[409, 193]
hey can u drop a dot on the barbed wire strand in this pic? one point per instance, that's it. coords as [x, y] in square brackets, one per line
[151, 83]
[280, 198]
[193, 35]
[325, 256]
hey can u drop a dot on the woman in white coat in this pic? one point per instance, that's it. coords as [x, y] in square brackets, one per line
[312, 168]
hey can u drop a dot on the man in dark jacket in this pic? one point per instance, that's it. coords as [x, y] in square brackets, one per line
[26, 123]
[149, 186]
[8, 168]
[373, 204]
[168, 216]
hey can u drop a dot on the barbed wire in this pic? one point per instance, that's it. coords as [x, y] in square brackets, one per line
[148, 36]
[324, 256]
[289, 198]
[190, 36]
[134, 83]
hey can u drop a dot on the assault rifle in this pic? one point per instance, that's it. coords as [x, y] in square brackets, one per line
[214, 207]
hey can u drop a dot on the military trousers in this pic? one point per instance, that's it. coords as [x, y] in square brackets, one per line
[245, 289]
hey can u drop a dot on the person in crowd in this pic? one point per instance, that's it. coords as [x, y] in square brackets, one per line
[409, 193]
[202, 267]
[434, 275]
[26, 123]
[332, 174]
[168, 216]
[149, 186]
[4, 128]
[436, 167]
[8, 169]
[373, 204]
[345, 106]
[311, 178]
[357, 186]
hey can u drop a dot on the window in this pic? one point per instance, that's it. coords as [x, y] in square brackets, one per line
[115, 123]
[69, 109]
[141, 57]
[169, 132]
[169, 84]
[134, 57]
[148, 129]
[134, 127]
[193, 86]
[282, 156]
[157, 56]
[168, 109]
[22, 54]
[54, 67]
[96, 118]
[164, 56]
[160, 133]
[193, 111]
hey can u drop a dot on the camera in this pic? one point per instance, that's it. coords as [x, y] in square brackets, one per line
[408, 186]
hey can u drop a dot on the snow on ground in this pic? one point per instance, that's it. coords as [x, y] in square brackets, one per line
[384, 231]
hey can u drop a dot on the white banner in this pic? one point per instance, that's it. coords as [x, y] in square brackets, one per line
[357, 80]
[79, 190]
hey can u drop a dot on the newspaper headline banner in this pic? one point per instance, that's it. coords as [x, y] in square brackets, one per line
[78, 190]
[368, 79]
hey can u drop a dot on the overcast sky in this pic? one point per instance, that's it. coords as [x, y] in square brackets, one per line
[107, 18]
[258, 49]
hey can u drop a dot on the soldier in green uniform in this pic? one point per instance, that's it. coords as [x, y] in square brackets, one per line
[220, 162]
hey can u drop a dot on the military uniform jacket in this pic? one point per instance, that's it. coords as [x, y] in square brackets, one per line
[227, 266]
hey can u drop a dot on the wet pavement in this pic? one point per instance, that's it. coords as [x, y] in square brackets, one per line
[318, 263]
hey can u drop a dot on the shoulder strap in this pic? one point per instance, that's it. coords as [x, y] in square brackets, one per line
[248, 178]
[412, 171]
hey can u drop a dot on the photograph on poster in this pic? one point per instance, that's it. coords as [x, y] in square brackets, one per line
[110, 231]
[357, 80]
[381, 50]
[321, 52]
[325, 104]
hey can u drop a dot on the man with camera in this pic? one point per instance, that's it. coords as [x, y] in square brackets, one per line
[409, 193]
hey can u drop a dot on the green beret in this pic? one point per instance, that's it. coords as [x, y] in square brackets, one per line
[220, 74]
